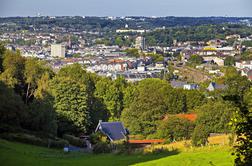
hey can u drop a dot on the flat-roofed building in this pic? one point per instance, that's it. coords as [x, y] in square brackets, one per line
[140, 43]
[58, 50]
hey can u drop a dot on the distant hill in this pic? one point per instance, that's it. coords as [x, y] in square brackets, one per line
[107, 23]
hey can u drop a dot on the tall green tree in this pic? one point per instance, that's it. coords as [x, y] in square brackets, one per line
[12, 109]
[176, 101]
[70, 105]
[175, 128]
[111, 92]
[72, 89]
[148, 107]
[215, 116]
[237, 86]
[42, 115]
[2, 51]
[242, 123]
[34, 70]
[13, 74]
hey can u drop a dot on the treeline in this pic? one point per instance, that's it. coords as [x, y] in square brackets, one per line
[99, 23]
[195, 33]
[36, 100]
[165, 37]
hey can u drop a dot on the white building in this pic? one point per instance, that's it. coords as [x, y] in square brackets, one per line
[140, 43]
[215, 59]
[58, 50]
[244, 64]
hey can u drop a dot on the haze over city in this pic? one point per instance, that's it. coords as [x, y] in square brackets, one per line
[194, 8]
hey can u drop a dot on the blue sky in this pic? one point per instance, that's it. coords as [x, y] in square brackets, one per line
[126, 7]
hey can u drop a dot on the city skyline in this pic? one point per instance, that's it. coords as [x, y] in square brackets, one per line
[159, 8]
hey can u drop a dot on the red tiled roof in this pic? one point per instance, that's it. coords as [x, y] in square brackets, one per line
[146, 141]
[191, 117]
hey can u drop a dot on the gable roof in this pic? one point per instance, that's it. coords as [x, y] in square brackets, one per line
[192, 117]
[177, 84]
[113, 130]
[146, 141]
[212, 86]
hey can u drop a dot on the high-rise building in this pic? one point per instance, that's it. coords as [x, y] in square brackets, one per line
[140, 43]
[58, 50]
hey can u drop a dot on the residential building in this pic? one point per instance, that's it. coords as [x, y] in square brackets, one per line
[58, 50]
[213, 86]
[140, 43]
[114, 131]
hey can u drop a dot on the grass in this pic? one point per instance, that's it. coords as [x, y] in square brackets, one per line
[206, 156]
[12, 154]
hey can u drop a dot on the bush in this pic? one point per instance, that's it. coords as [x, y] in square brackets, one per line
[175, 128]
[199, 136]
[121, 147]
[98, 137]
[73, 140]
[4, 128]
[101, 147]
[24, 138]
[58, 143]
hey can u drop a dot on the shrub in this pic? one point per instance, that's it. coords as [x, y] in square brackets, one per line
[121, 147]
[4, 128]
[24, 138]
[58, 143]
[98, 137]
[175, 128]
[101, 147]
[199, 136]
[73, 140]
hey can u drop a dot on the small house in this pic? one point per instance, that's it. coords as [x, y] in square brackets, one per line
[114, 131]
[214, 86]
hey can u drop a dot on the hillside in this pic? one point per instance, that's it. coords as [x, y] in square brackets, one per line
[12, 154]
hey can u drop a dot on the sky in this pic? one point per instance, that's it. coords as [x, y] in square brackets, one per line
[195, 8]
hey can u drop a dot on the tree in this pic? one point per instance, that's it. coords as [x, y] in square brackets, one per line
[34, 70]
[242, 123]
[176, 101]
[156, 57]
[13, 74]
[237, 86]
[175, 128]
[215, 116]
[246, 55]
[95, 105]
[119, 41]
[194, 98]
[71, 105]
[42, 116]
[148, 107]
[71, 102]
[12, 108]
[129, 95]
[111, 93]
[229, 61]
[195, 59]
[200, 136]
[2, 52]
[133, 52]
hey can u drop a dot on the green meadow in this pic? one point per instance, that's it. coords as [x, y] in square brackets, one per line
[17, 154]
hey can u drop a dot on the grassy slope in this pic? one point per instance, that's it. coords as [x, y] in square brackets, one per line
[12, 154]
[22, 154]
[215, 156]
